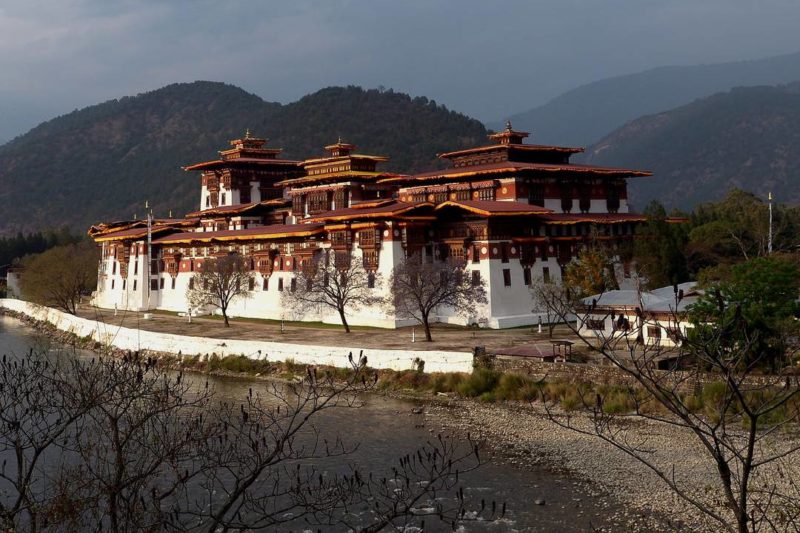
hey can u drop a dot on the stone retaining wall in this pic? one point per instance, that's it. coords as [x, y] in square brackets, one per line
[133, 339]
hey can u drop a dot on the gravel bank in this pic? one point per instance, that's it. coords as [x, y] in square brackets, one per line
[526, 437]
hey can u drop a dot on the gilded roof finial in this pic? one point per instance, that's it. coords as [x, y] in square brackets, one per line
[247, 133]
[508, 125]
[340, 140]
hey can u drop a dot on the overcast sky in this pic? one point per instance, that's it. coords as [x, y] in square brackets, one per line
[486, 58]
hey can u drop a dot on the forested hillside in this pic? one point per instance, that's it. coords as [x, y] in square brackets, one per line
[104, 161]
[747, 138]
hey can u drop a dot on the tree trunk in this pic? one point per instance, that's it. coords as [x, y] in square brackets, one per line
[427, 326]
[344, 321]
[225, 316]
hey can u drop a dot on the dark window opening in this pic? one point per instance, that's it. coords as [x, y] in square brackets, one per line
[546, 274]
[526, 274]
[507, 277]
[476, 278]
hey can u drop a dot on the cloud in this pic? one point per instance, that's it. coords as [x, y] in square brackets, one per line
[488, 59]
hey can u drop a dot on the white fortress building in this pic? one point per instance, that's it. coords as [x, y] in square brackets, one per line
[511, 212]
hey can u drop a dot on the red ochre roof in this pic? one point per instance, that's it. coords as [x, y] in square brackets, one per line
[598, 218]
[215, 163]
[515, 166]
[133, 233]
[274, 231]
[388, 210]
[103, 229]
[521, 147]
[342, 175]
[493, 208]
[236, 208]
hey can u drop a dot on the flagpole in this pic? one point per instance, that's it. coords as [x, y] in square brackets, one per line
[769, 244]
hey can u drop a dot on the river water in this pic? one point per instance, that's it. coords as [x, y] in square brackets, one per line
[385, 429]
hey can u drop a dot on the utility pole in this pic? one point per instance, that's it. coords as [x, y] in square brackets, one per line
[149, 250]
[769, 243]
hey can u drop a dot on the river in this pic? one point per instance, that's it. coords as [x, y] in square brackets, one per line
[385, 429]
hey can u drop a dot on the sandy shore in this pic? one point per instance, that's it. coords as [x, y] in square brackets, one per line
[525, 436]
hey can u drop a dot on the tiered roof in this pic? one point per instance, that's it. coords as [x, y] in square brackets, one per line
[273, 231]
[342, 164]
[492, 208]
[240, 209]
[387, 209]
[248, 151]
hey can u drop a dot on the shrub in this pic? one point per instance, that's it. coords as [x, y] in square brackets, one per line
[617, 402]
[510, 387]
[481, 380]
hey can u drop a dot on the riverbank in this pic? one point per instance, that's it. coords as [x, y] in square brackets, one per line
[522, 434]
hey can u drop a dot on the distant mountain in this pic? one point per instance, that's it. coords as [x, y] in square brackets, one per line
[747, 138]
[584, 115]
[104, 161]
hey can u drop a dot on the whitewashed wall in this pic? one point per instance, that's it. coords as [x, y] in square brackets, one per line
[133, 339]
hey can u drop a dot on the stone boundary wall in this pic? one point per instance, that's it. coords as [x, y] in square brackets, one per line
[133, 339]
[609, 374]
[600, 374]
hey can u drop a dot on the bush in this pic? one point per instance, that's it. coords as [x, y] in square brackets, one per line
[515, 387]
[481, 380]
[617, 402]
[448, 382]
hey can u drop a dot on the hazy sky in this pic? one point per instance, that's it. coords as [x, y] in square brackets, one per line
[487, 58]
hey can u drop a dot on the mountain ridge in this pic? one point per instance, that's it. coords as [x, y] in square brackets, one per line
[104, 161]
[585, 114]
[745, 138]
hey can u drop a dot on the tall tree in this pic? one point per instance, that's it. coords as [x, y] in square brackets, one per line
[333, 280]
[418, 288]
[659, 249]
[762, 293]
[591, 272]
[60, 276]
[219, 282]
[737, 228]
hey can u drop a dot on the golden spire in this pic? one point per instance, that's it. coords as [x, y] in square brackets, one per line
[508, 125]
[247, 133]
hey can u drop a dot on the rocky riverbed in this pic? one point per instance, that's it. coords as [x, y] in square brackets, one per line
[526, 436]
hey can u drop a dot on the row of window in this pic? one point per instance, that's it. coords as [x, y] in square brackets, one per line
[527, 276]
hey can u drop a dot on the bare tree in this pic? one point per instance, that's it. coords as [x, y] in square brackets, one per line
[420, 288]
[547, 297]
[335, 281]
[38, 408]
[739, 427]
[59, 277]
[133, 445]
[218, 282]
